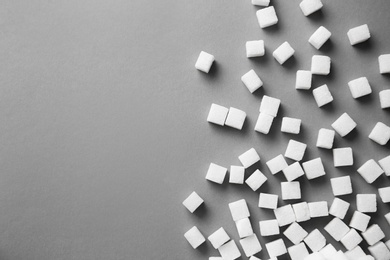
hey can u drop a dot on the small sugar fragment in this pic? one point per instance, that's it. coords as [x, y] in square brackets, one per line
[284, 215]
[229, 251]
[342, 157]
[236, 174]
[303, 79]
[384, 63]
[261, 2]
[217, 114]
[384, 193]
[276, 248]
[380, 133]
[370, 171]
[204, 61]
[341, 185]
[235, 118]
[192, 202]
[344, 125]
[322, 95]
[268, 201]
[244, 227]
[291, 190]
[358, 34]
[269, 106]
[301, 211]
[359, 87]
[319, 37]
[295, 150]
[252, 81]
[264, 123]
[339, 208]
[366, 203]
[194, 237]
[320, 64]
[291, 125]
[385, 164]
[310, 6]
[216, 173]
[293, 171]
[351, 239]
[277, 164]
[250, 245]
[283, 53]
[315, 240]
[384, 98]
[325, 138]
[218, 238]
[298, 252]
[269, 227]
[359, 221]
[337, 229]
[373, 234]
[249, 158]
[379, 251]
[267, 17]
[256, 180]
[314, 168]
[318, 209]
[239, 209]
[254, 49]
[295, 233]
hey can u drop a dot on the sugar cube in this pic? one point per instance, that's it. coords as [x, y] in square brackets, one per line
[254, 48]
[267, 17]
[250, 245]
[314, 168]
[359, 87]
[236, 174]
[339, 208]
[268, 201]
[315, 256]
[218, 238]
[385, 164]
[192, 202]
[379, 251]
[318, 209]
[261, 2]
[322, 95]
[384, 193]
[351, 239]
[341, 185]
[358, 34]
[249, 158]
[320, 65]
[344, 125]
[235, 118]
[315, 240]
[291, 125]
[252, 81]
[301, 211]
[325, 138]
[319, 37]
[217, 114]
[328, 251]
[359, 221]
[269, 105]
[355, 253]
[194, 237]
[380, 133]
[239, 209]
[370, 171]
[256, 180]
[276, 248]
[366, 203]
[293, 171]
[310, 6]
[204, 61]
[384, 63]
[373, 234]
[295, 150]
[284, 215]
[342, 157]
[283, 52]
[303, 79]
[295, 233]
[337, 229]
[298, 252]
[216, 173]
[340, 256]
[229, 251]
[269, 227]
[264, 123]
[384, 98]
[278, 164]
[291, 190]
[244, 227]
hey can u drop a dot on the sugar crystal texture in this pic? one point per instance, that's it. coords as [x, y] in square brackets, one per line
[301, 211]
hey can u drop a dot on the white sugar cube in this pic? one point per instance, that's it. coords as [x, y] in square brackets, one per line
[254, 48]
[322, 95]
[261, 2]
[320, 64]
[358, 34]
[256, 180]
[359, 221]
[355, 253]
[252, 81]
[217, 114]
[277, 164]
[384, 98]
[328, 251]
[229, 251]
[303, 79]
[284, 215]
[250, 245]
[298, 252]
[239, 209]
[344, 125]
[244, 227]
[295, 233]
[291, 190]
[342, 157]
[359, 87]
[267, 17]
[264, 123]
[249, 158]
[379, 251]
[314, 168]
[325, 138]
[204, 62]
[351, 239]
[293, 171]
[283, 52]
[384, 63]
[384, 193]
[216, 173]
[295, 150]
[236, 174]
[194, 237]
[301, 211]
[218, 238]
[315, 256]
[341, 185]
[337, 229]
[380, 133]
[385, 164]
[276, 248]
[235, 118]
[370, 171]
[339, 208]
[268, 201]
[318, 209]
[366, 203]
[340, 256]
[315, 240]
[319, 37]
[269, 106]
[192, 202]
[269, 227]
[373, 234]
[291, 125]
[310, 6]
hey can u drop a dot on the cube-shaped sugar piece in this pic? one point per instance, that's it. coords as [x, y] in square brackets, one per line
[351, 239]
[256, 180]
[264, 123]
[254, 48]
[239, 209]
[218, 238]
[340, 256]
[204, 61]
[261, 2]
[384, 98]
[284, 215]
[291, 190]
[291, 125]
[370, 171]
[315, 240]
[217, 114]
[384, 63]
[320, 64]
[301, 211]
[339, 208]
[379, 251]
[359, 87]
[366, 203]
[268, 201]
[355, 253]
[295, 150]
[337, 229]
[384, 193]
[344, 125]
[269, 106]
[319, 37]
[269, 227]
[192, 202]
[267, 17]
[342, 157]
[293, 171]
[277, 164]
[276, 248]
[380, 133]
[237, 174]
[229, 251]
[235, 118]
[358, 34]
[249, 158]
[359, 221]
[314, 168]
[250, 245]
[373, 234]
[325, 138]
[298, 252]
[295, 233]
[216, 173]
[283, 52]
[244, 227]
[310, 6]
[252, 81]
[318, 209]
[328, 251]
[303, 79]
[341, 185]
[322, 95]
[194, 237]
[385, 164]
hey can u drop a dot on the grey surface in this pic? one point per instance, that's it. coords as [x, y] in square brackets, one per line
[104, 130]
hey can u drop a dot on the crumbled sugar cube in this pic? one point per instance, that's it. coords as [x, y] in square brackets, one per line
[291, 190]
[204, 61]
[344, 125]
[384, 98]
[268, 201]
[387, 217]
[284, 215]
[218, 238]
[269, 227]
[370, 171]
[235, 118]
[301, 211]
[256, 180]
[315, 240]
[283, 52]
[359, 87]
[244, 227]
[310, 6]
[339, 208]
[217, 114]
[278, 164]
[340, 256]
[267, 17]
[342, 157]
[216, 173]
[250, 245]
[319, 37]
[379, 251]
[384, 63]
[380, 133]
[366, 203]
[269, 106]
[303, 79]
[229, 251]
[337, 229]
[341, 185]
[291, 125]
[359, 221]
[320, 65]
[295, 233]
[194, 237]
[193, 201]
[264, 123]
[358, 34]
[351, 239]
[384, 193]
[385, 164]
[249, 158]
[355, 253]
[261, 2]
[236, 174]
[318, 209]
[325, 138]
[295, 150]
[293, 171]
[315, 256]
[298, 252]
[373, 234]
[314, 168]
[254, 48]
[239, 209]
[276, 248]
[328, 251]
[252, 81]
[322, 95]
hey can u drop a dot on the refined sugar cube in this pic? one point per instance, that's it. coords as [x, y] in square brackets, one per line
[310, 6]
[204, 62]
[328, 251]
[291, 125]
[293, 171]
[216, 173]
[366, 203]
[295, 233]
[194, 237]
[384, 98]
[301, 211]
[218, 238]
[337, 229]
[267, 17]
[229, 251]
[269, 227]
[217, 114]
[261, 2]
[314, 168]
[385, 164]
[269, 105]
[291, 190]
[370, 171]
[319, 37]
[268, 201]
[341, 185]
[318, 209]
[351, 239]
[284, 215]
[278, 164]
[359, 87]
[320, 65]
[379, 251]
[358, 34]
[249, 158]
[264, 123]
[384, 193]
[315, 240]
[384, 63]
[192, 202]
[295, 150]
[339, 208]
[235, 118]
[359, 221]
[303, 79]
[373, 234]
[355, 253]
[322, 95]
[380, 133]
[325, 138]
[344, 125]
[276, 248]
[342, 157]
[340, 256]
[244, 227]
[298, 252]
[236, 174]
[252, 81]
[256, 180]
[254, 49]
[283, 52]
[239, 209]
[250, 245]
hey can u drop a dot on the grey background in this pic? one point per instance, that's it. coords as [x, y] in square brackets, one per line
[104, 130]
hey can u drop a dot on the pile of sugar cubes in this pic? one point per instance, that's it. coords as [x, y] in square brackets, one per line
[360, 236]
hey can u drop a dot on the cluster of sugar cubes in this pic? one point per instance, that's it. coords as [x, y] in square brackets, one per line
[221, 115]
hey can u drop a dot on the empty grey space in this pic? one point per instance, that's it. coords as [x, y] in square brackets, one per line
[103, 128]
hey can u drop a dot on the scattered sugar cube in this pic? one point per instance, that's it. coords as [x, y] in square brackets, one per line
[325, 138]
[269, 105]
[370, 171]
[264, 123]
[355, 253]
[254, 48]
[359, 221]
[359, 87]
[284, 215]
[341, 185]
[310, 6]
[351, 239]
[314, 168]
[384, 193]
[204, 61]
[236, 174]
[303, 79]
[256, 180]
[298, 252]
[268, 201]
[194, 237]
[295, 233]
[249, 158]
[192, 202]
[261, 2]
[342, 157]
[216, 173]
[379, 251]
[328, 251]
[344, 125]
[339, 208]
[293, 171]
[318, 209]
[295, 150]
[229, 251]
[384, 63]
[315, 240]
[267, 17]
[217, 114]
[380, 133]
[291, 190]
[384, 98]
[337, 229]
[385, 164]
[301, 211]
[283, 52]
[244, 227]
[291, 125]
[319, 37]
[278, 164]
[320, 64]
[322, 95]
[276, 248]
[269, 227]
[218, 238]
[366, 203]
[373, 234]
[252, 81]
[239, 209]
[235, 118]
[359, 34]
[250, 245]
